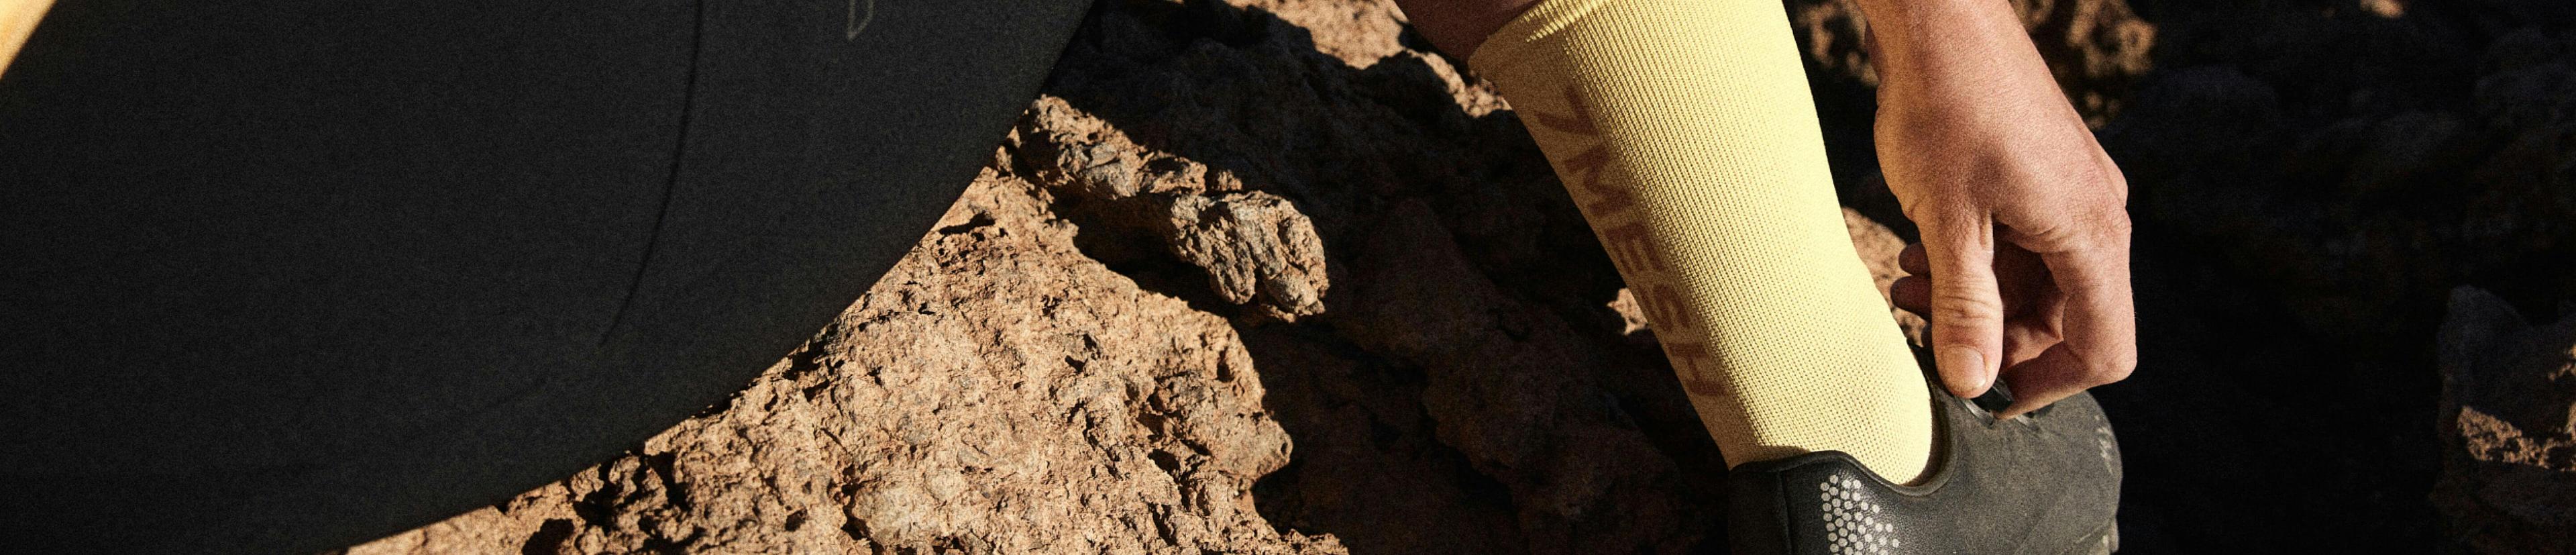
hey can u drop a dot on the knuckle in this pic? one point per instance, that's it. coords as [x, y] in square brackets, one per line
[1965, 308]
[2105, 227]
[2114, 180]
[2114, 224]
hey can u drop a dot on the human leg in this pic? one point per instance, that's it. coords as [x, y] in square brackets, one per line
[1685, 132]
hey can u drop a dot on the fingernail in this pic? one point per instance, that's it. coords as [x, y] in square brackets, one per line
[1962, 358]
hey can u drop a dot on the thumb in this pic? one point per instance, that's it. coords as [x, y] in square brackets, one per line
[1967, 311]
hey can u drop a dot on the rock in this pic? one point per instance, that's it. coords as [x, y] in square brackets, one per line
[1255, 247]
[1498, 385]
[997, 392]
[2508, 480]
[1253, 244]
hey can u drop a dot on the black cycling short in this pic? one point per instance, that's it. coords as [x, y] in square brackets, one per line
[280, 276]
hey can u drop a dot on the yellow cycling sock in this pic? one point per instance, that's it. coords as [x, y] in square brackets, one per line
[1685, 132]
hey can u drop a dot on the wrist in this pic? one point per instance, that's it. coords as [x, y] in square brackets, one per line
[1948, 44]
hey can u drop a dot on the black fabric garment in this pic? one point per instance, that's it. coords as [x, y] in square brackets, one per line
[279, 276]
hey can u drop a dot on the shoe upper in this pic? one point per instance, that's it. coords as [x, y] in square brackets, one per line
[2047, 482]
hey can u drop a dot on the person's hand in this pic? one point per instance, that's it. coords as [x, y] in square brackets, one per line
[2024, 265]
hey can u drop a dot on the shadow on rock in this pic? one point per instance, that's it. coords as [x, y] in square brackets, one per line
[1463, 385]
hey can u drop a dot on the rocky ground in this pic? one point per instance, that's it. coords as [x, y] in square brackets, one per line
[2508, 433]
[1272, 276]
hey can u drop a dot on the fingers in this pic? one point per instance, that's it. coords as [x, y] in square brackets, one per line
[1966, 309]
[2031, 303]
[2045, 380]
[2026, 335]
[1913, 292]
[2032, 307]
[2099, 324]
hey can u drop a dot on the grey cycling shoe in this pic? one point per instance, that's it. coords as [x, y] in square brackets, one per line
[2047, 482]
